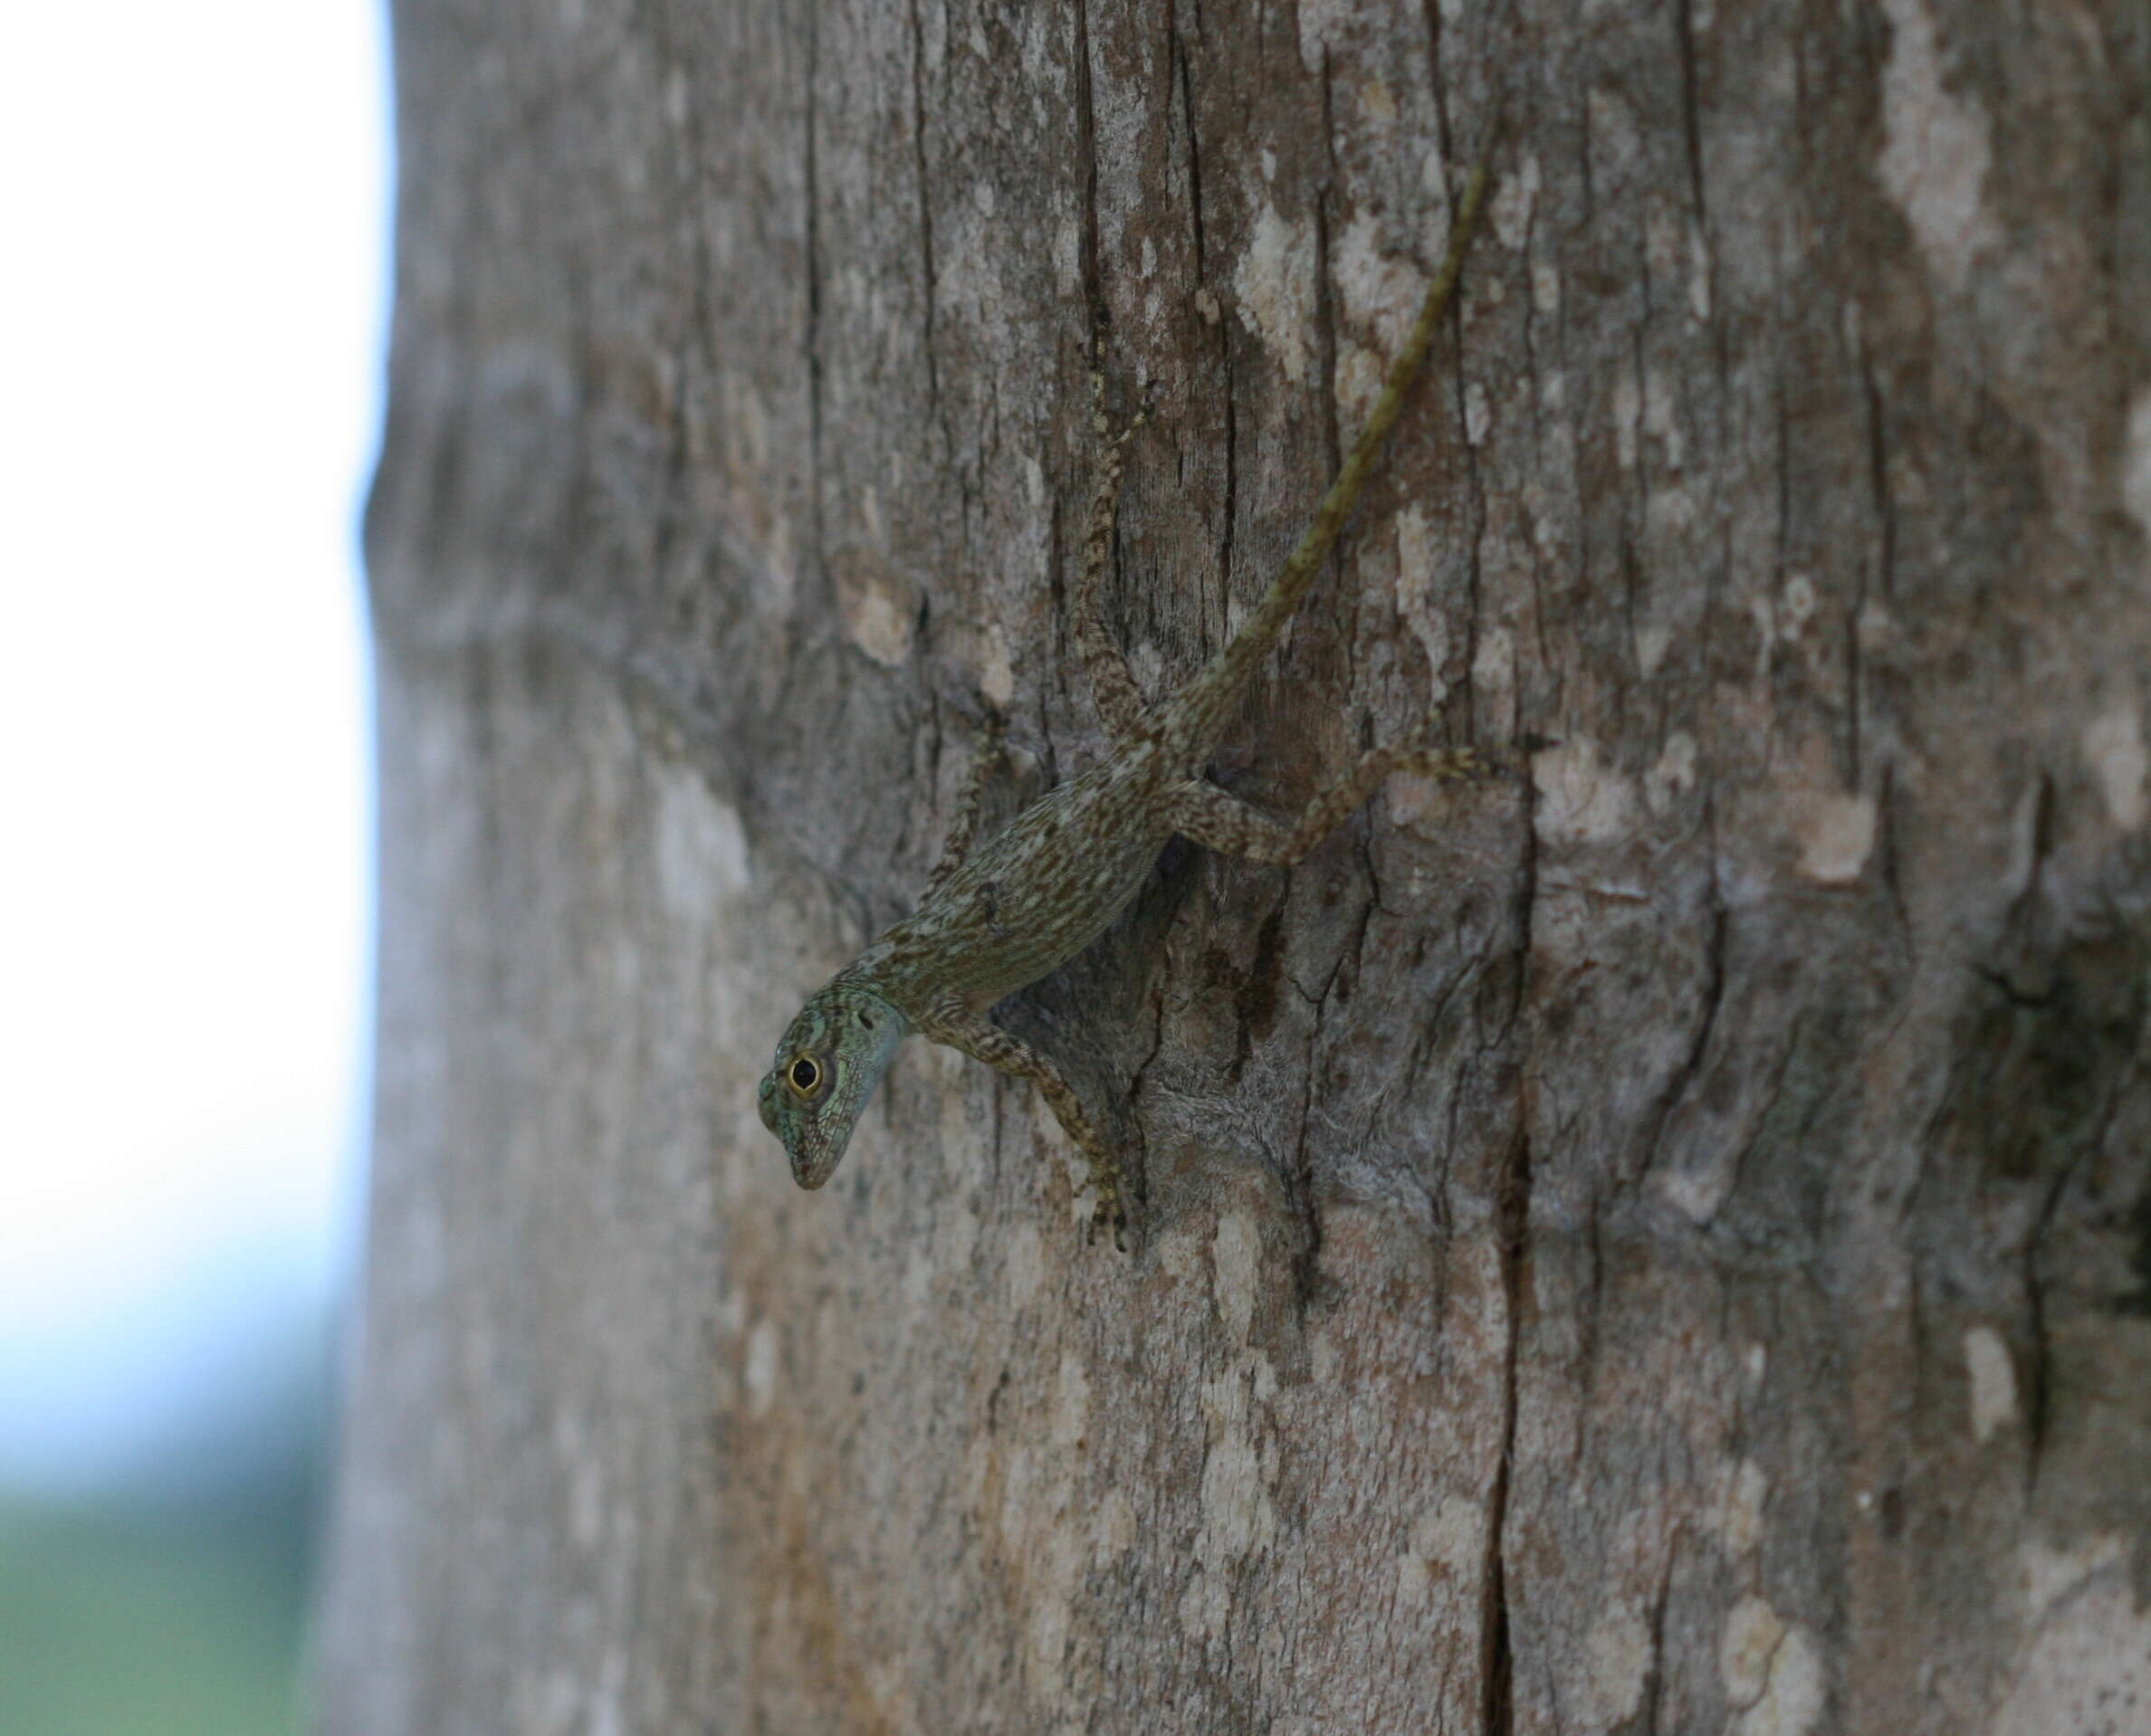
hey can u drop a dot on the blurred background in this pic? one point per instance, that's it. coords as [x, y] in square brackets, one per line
[195, 205]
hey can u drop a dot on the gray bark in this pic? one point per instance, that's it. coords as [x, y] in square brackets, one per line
[1663, 1248]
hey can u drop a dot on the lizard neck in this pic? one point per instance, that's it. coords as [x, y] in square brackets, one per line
[887, 971]
[867, 971]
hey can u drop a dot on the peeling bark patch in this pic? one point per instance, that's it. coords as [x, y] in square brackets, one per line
[1661, 424]
[1752, 1636]
[1051, 1550]
[761, 1373]
[1415, 594]
[1581, 800]
[1116, 1526]
[1673, 775]
[2089, 1670]
[1620, 1652]
[1377, 104]
[1652, 643]
[1478, 413]
[1799, 603]
[1771, 1670]
[1740, 1519]
[1275, 287]
[1319, 22]
[1935, 160]
[1791, 1701]
[1047, 1635]
[1696, 1193]
[1381, 294]
[1234, 1252]
[1071, 1405]
[878, 614]
[1494, 669]
[1699, 267]
[1994, 1381]
[2047, 1577]
[996, 671]
[1447, 1545]
[2135, 464]
[700, 846]
[1628, 412]
[1836, 835]
[2114, 744]
[1026, 1263]
[1179, 1254]
[1510, 214]
[1238, 1517]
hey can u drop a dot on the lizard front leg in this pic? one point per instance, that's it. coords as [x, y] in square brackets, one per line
[978, 1037]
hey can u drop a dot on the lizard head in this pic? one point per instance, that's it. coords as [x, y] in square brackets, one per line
[832, 1057]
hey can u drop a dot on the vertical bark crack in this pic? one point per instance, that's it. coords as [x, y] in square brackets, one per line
[1512, 1227]
[815, 395]
[1684, 37]
[1087, 146]
[918, 35]
[1325, 309]
[1184, 78]
[1432, 12]
[1512, 1211]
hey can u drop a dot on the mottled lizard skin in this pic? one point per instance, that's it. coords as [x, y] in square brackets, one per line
[1003, 912]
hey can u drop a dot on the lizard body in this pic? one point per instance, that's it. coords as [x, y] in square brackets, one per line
[1031, 898]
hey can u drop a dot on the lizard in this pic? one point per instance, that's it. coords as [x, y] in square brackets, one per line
[1000, 914]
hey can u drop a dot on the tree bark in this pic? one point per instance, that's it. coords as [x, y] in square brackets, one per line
[1665, 1245]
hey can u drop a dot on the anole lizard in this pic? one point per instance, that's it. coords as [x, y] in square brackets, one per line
[1041, 890]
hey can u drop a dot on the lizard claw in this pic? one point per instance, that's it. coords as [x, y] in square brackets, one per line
[1110, 1212]
[1118, 1218]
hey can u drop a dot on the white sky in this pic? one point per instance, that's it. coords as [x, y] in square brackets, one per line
[192, 200]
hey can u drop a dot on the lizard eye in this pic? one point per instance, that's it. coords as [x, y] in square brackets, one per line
[804, 1076]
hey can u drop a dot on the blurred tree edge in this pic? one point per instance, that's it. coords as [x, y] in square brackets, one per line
[1667, 1248]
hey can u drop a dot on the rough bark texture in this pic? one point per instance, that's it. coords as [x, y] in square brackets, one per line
[1667, 1249]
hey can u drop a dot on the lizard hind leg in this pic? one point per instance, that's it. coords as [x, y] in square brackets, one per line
[1114, 691]
[1218, 820]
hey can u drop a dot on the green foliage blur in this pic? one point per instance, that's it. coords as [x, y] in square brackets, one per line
[175, 1601]
[113, 1623]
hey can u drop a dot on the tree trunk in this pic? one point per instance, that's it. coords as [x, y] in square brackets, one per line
[1665, 1245]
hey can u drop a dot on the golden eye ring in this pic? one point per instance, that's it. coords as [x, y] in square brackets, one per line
[804, 1076]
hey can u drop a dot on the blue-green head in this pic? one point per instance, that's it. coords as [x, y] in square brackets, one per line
[832, 1057]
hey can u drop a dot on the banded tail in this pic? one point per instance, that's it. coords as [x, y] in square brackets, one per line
[1197, 716]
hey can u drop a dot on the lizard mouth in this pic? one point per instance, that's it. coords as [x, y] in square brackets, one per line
[810, 1168]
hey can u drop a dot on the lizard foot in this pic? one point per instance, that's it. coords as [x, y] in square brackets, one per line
[1451, 765]
[1457, 764]
[1112, 1210]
